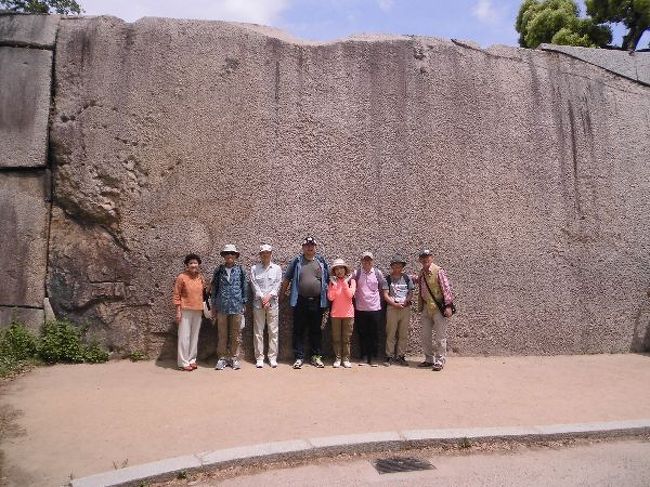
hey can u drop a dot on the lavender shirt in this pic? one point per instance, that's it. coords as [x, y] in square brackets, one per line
[366, 296]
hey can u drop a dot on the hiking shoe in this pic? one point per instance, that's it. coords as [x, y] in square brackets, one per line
[437, 366]
[337, 363]
[346, 364]
[317, 361]
[273, 362]
[372, 363]
[401, 360]
[259, 363]
[235, 364]
[388, 361]
[425, 364]
[221, 364]
[297, 364]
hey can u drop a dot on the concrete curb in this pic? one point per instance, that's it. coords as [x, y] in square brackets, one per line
[323, 446]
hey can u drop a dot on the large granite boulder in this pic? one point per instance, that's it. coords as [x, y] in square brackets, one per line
[24, 205]
[525, 171]
[25, 77]
[22, 30]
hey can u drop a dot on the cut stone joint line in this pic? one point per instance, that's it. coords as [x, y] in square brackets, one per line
[26, 45]
[296, 449]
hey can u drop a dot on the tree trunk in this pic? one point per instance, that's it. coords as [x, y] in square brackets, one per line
[633, 37]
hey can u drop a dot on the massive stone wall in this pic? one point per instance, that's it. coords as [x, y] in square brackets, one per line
[26, 45]
[525, 171]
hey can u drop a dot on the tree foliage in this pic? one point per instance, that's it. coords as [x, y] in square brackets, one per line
[63, 7]
[634, 14]
[558, 22]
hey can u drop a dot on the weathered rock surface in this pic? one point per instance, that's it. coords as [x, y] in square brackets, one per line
[23, 238]
[25, 76]
[633, 65]
[526, 172]
[28, 30]
[32, 318]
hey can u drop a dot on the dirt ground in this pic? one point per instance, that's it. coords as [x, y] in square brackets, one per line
[76, 420]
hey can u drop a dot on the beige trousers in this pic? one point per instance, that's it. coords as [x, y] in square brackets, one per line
[397, 329]
[188, 336]
[434, 335]
[228, 335]
[341, 334]
[270, 318]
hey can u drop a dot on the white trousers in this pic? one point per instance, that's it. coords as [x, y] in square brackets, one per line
[188, 336]
[261, 317]
[434, 335]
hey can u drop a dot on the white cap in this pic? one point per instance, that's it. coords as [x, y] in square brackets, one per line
[230, 249]
[367, 254]
[266, 248]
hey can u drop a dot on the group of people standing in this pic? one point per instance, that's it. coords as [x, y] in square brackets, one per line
[355, 299]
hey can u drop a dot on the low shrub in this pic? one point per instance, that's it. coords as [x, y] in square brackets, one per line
[137, 356]
[59, 341]
[18, 349]
[94, 354]
[18, 342]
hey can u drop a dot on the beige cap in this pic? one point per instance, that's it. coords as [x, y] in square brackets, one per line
[339, 263]
[266, 248]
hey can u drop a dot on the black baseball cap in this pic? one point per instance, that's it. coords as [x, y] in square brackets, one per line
[425, 253]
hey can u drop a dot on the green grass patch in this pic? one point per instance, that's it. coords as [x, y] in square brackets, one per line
[60, 341]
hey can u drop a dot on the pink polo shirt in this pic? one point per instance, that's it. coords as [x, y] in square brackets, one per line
[367, 295]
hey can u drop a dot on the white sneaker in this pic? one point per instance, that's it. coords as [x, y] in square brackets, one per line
[337, 363]
[259, 363]
[347, 364]
[297, 364]
[273, 362]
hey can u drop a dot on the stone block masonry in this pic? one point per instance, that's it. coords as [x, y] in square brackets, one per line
[525, 171]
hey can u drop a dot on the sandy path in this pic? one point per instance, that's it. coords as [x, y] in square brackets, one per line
[81, 419]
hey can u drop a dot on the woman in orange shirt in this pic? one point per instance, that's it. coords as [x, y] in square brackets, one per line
[340, 290]
[188, 300]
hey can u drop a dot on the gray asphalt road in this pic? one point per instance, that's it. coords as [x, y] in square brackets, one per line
[619, 463]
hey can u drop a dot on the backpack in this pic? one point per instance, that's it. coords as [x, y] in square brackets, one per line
[406, 277]
[378, 275]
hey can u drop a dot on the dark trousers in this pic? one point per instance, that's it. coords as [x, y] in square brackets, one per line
[367, 324]
[307, 315]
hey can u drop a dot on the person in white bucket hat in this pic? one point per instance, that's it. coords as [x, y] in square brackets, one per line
[266, 278]
[340, 291]
[229, 288]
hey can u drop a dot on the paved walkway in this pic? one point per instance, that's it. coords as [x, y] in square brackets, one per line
[616, 463]
[83, 419]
